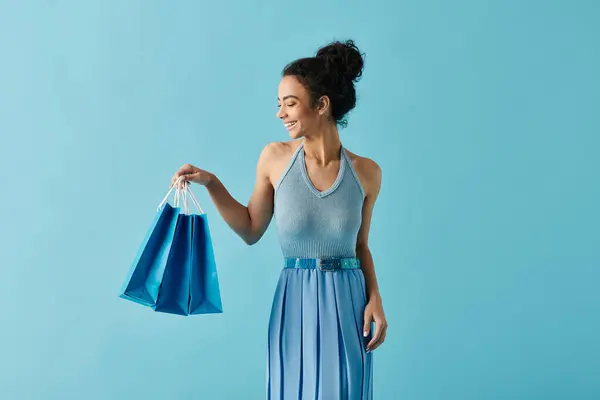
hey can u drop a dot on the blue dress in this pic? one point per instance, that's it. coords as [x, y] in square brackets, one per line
[316, 348]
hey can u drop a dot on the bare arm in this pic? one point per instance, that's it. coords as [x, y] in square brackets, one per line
[374, 308]
[249, 222]
[372, 173]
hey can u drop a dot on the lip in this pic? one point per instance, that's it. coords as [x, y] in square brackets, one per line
[292, 126]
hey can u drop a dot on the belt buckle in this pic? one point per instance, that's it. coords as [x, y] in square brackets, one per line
[329, 264]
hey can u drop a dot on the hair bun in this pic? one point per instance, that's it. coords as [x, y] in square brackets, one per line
[344, 58]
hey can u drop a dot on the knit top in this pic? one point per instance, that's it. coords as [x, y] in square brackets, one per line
[312, 223]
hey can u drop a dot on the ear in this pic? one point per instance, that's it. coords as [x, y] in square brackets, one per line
[323, 105]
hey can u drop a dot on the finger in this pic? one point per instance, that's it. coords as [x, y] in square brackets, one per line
[383, 334]
[381, 339]
[380, 332]
[175, 178]
[183, 170]
[375, 337]
[181, 181]
[367, 325]
[186, 169]
[191, 177]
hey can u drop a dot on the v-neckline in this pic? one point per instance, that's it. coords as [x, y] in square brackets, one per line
[334, 185]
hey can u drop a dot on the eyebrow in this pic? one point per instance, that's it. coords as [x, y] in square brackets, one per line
[288, 96]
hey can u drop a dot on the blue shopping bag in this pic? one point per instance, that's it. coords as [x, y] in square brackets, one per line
[174, 293]
[174, 270]
[146, 272]
[205, 295]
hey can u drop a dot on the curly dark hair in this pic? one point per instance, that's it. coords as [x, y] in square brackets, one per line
[332, 72]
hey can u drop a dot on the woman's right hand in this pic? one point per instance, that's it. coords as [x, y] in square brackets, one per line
[190, 173]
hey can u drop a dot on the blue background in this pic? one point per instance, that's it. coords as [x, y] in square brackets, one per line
[482, 114]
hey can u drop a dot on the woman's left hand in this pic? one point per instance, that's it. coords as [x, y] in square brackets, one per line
[374, 313]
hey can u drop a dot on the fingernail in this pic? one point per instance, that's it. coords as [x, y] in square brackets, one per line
[365, 333]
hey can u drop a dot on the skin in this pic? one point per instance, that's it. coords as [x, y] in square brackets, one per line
[322, 144]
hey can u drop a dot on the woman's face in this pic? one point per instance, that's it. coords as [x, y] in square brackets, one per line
[294, 106]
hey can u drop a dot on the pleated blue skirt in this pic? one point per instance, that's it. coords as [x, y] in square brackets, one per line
[316, 347]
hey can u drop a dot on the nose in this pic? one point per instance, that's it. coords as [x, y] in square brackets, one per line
[280, 113]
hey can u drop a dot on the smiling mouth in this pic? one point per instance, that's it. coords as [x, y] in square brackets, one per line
[290, 124]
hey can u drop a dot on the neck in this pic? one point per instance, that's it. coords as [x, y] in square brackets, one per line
[324, 145]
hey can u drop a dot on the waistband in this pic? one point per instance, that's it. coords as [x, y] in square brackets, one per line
[324, 263]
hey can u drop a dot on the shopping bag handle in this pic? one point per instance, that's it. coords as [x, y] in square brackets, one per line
[186, 191]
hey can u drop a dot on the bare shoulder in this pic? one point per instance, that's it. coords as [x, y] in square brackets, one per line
[279, 149]
[368, 171]
[274, 158]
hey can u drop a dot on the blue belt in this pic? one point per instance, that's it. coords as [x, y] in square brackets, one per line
[324, 264]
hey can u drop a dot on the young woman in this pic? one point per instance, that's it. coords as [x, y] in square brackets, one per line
[322, 196]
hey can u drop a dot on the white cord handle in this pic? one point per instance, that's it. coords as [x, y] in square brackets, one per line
[186, 190]
[178, 194]
[194, 200]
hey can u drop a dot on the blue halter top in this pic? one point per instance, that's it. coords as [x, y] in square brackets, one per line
[311, 223]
